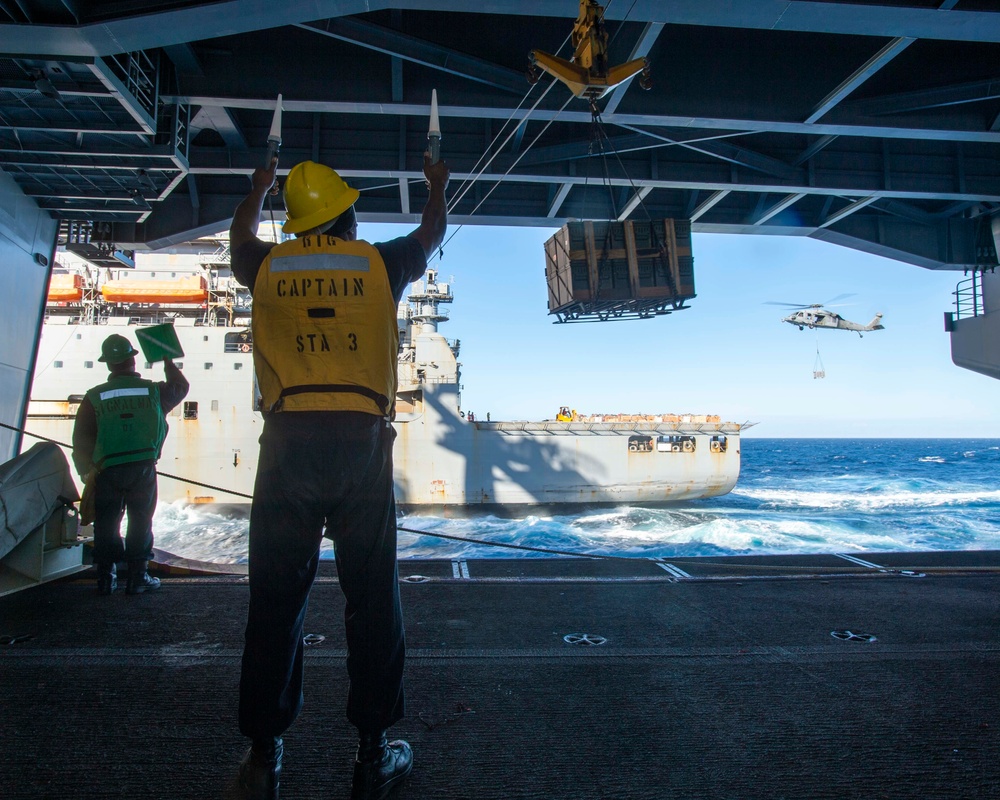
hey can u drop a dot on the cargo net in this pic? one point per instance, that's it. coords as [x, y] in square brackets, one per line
[599, 271]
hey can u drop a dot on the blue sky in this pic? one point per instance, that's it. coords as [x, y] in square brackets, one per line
[728, 354]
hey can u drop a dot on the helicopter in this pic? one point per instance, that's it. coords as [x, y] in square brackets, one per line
[815, 315]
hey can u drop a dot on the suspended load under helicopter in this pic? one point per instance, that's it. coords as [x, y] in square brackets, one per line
[588, 74]
[819, 371]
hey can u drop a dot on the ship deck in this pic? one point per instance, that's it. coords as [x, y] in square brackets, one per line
[719, 678]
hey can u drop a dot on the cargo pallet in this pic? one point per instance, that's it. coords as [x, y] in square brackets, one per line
[600, 271]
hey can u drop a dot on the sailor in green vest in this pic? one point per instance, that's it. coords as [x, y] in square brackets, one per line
[119, 430]
[326, 345]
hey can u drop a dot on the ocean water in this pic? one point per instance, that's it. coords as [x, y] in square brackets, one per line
[793, 496]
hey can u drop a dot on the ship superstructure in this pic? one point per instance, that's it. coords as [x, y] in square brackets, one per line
[443, 457]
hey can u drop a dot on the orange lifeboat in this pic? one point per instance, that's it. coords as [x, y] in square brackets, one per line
[65, 288]
[192, 289]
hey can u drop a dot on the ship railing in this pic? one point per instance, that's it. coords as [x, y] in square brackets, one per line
[220, 256]
[425, 379]
[552, 428]
[969, 297]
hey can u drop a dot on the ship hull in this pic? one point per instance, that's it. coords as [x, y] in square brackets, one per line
[442, 460]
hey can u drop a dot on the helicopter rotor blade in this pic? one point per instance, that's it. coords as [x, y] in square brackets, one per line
[789, 305]
[839, 297]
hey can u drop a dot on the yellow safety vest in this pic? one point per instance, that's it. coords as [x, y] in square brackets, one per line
[324, 328]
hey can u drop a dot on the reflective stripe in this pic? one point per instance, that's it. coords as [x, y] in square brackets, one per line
[112, 393]
[320, 261]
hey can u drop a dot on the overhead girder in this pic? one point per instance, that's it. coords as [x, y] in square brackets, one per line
[865, 174]
[148, 26]
[220, 120]
[862, 127]
[935, 97]
[860, 75]
[643, 45]
[409, 48]
[860, 158]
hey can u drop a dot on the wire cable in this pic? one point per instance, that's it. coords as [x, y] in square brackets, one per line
[469, 182]
[511, 167]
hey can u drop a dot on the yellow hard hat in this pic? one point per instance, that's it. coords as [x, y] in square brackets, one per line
[315, 194]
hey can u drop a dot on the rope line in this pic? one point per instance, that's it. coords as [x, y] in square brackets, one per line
[511, 167]
[158, 472]
[469, 182]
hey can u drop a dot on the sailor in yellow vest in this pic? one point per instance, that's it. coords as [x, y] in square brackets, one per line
[325, 343]
[119, 430]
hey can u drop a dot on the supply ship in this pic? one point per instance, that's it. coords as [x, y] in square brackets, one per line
[444, 457]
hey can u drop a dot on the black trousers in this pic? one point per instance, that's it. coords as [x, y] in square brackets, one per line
[121, 489]
[317, 469]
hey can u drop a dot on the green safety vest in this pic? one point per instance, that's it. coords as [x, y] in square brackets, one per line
[130, 423]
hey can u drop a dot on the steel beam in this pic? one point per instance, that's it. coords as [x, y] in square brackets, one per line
[846, 211]
[706, 205]
[221, 120]
[409, 48]
[558, 200]
[634, 202]
[49, 128]
[125, 98]
[745, 126]
[642, 47]
[209, 20]
[860, 75]
[938, 97]
[698, 178]
[726, 151]
[778, 207]
[820, 144]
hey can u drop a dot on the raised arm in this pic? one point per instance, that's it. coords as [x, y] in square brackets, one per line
[175, 388]
[246, 218]
[434, 221]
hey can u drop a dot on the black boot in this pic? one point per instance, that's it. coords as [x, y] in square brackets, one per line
[139, 580]
[380, 766]
[107, 578]
[260, 770]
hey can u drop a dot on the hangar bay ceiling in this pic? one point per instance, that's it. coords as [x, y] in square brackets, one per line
[874, 124]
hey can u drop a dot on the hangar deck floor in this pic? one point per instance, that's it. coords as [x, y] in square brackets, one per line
[724, 684]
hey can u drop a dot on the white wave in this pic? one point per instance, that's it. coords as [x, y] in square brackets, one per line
[761, 521]
[789, 498]
[193, 532]
[932, 460]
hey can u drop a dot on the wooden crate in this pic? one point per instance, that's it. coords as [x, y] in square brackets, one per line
[598, 270]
